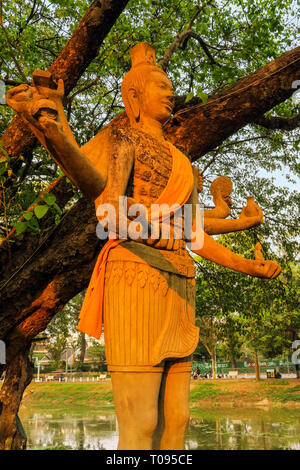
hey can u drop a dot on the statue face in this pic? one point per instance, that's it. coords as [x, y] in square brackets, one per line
[157, 100]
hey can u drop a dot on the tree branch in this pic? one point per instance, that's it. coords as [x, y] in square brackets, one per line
[274, 122]
[181, 39]
[200, 128]
[178, 40]
[204, 47]
[15, 60]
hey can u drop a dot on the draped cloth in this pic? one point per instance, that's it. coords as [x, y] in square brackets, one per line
[175, 195]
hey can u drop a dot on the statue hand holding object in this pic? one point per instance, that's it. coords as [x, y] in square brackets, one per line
[40, 105]
[42, 99]
[252, 210]
[268, 269]
[215, 222]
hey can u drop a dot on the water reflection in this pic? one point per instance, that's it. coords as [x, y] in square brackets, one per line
[94, 430]
[74, 430]
[250, 433]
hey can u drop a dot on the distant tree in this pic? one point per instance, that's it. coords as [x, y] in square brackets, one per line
[261, 314]
[62, 328]
[96, 352]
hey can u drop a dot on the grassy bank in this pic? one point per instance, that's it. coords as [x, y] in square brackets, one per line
[219, 393]
[64, 394]
[246, 393]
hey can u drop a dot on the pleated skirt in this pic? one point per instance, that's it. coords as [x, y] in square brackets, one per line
[148, 314]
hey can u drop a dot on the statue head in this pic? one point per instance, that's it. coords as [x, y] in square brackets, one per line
[146, 89]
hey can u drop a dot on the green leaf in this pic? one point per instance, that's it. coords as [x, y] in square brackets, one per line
[21, 227]
[190, 95]
[57, 208]
[40, 211]
[33, 225]
[203, 96]
[27, 215]
[49, 199]
[3, 168]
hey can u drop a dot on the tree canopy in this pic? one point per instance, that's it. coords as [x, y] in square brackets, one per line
[207, 48]
[235, 68]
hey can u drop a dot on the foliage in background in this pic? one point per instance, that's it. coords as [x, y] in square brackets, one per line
[230, 39]
[61, 330]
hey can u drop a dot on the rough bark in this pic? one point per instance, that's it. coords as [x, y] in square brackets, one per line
[66, 254]
[18, 376]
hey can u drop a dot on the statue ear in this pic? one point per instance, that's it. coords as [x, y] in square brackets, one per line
[134, 103]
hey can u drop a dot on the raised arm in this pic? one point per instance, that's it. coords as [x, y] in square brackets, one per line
[210, 249]
[214, 219]
[40, 105]
[248, 219]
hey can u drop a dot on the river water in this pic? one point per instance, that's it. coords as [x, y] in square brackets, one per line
[219, 429]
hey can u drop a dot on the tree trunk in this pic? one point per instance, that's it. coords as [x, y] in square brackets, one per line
[297, 368]
[18, 376]
[82, 347]
[213, 360]
[66, 260]
[232, 355]
[36, 317]
[257, 373]
[233, 361]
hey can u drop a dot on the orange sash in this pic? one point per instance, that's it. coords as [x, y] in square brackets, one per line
[175, 194]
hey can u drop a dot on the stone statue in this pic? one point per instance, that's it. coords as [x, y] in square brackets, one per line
[142, 286]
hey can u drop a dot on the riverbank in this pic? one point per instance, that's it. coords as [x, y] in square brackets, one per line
[236, 393]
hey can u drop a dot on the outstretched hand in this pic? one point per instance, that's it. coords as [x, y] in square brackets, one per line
[37, 105]
[18, 97]
[252, 210]
[266, 269]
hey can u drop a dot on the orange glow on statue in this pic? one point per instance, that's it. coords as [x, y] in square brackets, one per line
[145, 289]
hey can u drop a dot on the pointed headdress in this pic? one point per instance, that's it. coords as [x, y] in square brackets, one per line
[142, 54]
[143, 62]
